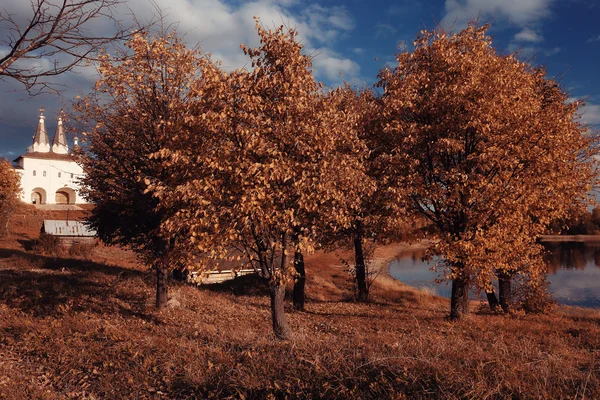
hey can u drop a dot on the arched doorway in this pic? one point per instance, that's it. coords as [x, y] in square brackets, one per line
[62, 197]
[65, 196]
[38, 196]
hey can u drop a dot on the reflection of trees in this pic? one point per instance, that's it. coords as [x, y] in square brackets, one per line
[596, 253]
[570, 256]
[414, 254]
[552, 258]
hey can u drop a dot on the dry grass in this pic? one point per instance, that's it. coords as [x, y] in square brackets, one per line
[73, 328]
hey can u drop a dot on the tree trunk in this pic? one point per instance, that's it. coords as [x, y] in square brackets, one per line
[360, 269]
[264, 270]
[280, 325]
[162, 288]
[300, 281]
[504, 289]
[277, 288]
[459, 301]
[491, 298]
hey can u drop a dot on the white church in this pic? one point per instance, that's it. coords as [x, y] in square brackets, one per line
[49, 173]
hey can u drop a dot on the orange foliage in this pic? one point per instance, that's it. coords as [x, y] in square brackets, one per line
[10, 189]
[266, 157]
[486, 148]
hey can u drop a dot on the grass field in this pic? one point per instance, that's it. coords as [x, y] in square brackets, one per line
[85, 327]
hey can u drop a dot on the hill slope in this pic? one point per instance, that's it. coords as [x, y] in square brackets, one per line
[86, 328]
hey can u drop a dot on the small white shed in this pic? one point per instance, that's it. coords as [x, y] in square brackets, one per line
[69, 232]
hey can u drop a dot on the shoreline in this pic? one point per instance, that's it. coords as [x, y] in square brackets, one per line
[384, 255]
[570, 239]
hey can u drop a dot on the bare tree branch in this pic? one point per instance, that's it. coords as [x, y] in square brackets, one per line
[56, 38]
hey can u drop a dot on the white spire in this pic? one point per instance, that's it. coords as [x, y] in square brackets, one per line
[59, 143]
[40, 138]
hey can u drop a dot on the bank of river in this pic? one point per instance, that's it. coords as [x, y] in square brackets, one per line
[574, 272]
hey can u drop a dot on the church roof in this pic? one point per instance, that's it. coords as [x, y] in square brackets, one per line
[46, 156]
[67, 228]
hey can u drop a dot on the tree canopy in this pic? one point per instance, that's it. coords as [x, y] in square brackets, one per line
[141, 104]
[484, 144]
[269, 155]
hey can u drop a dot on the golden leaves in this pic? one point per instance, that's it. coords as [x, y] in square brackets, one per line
[486, 145]
[10, 190]
[262, 154]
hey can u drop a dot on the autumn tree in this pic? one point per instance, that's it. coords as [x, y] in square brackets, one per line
[57, 36]
[490, 150]
[376, 217]
[10, 188]
[262, 164]
[141, 104]
[352, 111]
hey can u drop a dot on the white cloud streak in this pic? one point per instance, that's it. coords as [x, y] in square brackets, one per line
[593, 39]
[590, 114]
[528, 35]
[521, 13]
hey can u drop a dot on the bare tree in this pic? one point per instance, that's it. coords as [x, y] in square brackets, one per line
[57, 37]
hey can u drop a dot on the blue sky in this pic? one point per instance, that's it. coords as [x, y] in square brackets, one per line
[349, 40]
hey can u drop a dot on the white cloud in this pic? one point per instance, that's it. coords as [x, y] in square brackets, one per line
[528, 35]
[218, 26]
[593, 39]
[528, 52]
[334, 67]
[553, 51]
[518, 12]
[590, 114]
[527, 15]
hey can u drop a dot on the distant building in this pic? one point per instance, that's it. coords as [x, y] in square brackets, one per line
[49, 173]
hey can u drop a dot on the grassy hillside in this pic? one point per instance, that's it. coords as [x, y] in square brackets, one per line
[86, 328]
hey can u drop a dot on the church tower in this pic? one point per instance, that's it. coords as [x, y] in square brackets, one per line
[59, 143]
[49, 173]
[40, 144]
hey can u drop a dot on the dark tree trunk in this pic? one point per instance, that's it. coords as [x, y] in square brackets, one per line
[162, 286]
[360, 269]
[492, 299]
[277, 289]
[504, 289]
[459, 301]
[300, 281]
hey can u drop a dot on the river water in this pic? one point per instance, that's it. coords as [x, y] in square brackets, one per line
[574, 273]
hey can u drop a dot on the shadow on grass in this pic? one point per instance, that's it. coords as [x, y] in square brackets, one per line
[26, 243]
[60, 263]
[245, 285]
[45, 286]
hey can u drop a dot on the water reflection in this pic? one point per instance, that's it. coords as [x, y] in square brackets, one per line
[574, 273]
[572, 256]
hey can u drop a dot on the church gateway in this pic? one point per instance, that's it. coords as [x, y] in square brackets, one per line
[49, 173]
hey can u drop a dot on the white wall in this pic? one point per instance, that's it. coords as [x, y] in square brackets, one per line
[52, 182]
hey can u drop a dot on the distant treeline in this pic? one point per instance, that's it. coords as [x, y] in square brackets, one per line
[586, 223]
